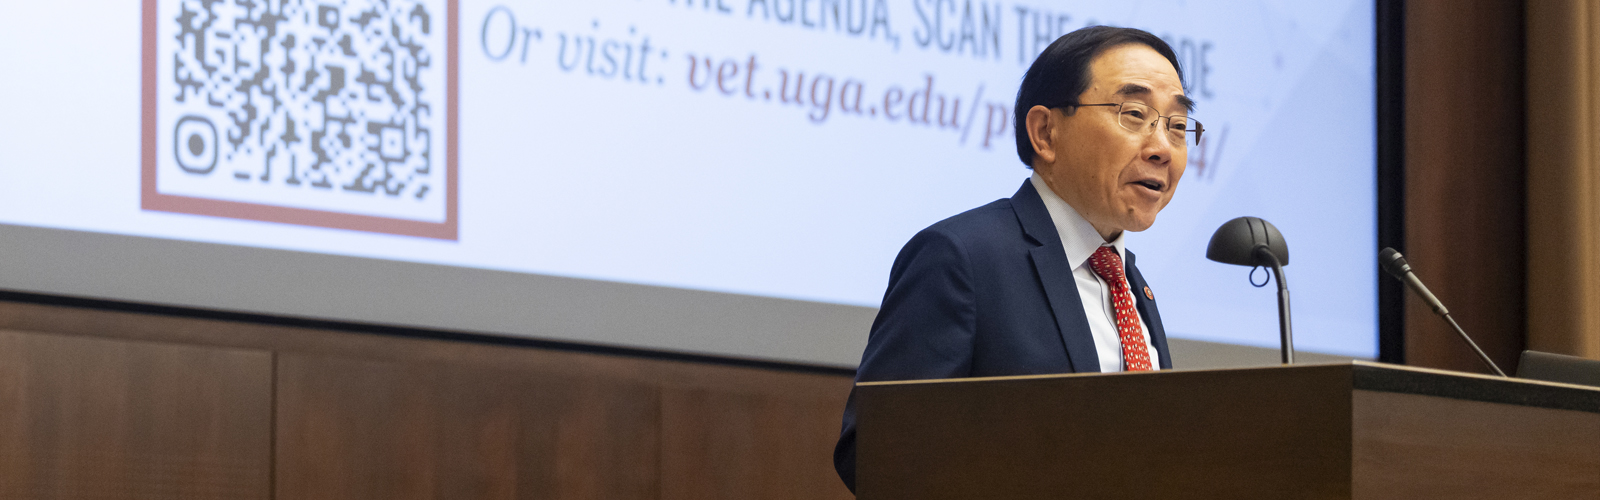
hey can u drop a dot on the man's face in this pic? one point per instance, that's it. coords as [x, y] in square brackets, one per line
[1115, 178]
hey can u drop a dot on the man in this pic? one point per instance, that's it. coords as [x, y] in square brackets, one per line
[1040, 283]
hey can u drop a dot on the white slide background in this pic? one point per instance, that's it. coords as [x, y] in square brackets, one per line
[574, 169]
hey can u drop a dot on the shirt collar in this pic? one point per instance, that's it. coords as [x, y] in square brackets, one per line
[1078, 237]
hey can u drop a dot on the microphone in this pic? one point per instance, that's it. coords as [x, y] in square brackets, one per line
[1393, 263]
[1252, 241]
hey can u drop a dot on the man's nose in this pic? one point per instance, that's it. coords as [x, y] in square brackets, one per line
[1158, 147]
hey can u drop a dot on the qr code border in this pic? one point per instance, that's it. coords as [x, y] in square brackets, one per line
[152, 200]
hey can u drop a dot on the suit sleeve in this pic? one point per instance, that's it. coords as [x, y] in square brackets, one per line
[924, 329]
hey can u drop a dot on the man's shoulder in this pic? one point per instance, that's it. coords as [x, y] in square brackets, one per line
[994, 222]
[982, 218]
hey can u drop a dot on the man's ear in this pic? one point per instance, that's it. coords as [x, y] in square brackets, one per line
[1041, 122]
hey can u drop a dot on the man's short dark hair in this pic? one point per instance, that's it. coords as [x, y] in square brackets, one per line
[1061, 73]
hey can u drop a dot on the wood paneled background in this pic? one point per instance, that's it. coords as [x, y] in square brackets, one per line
[1465, 185]
[108, 404]
[90, 418]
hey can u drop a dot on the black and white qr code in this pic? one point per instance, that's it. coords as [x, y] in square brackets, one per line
[328, 106]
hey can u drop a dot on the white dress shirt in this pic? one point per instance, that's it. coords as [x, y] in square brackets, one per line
[1080, 241]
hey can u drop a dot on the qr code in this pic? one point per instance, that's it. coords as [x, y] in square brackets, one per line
[322, 108]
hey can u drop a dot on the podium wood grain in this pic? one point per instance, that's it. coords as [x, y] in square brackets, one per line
[1419, 447]
[1318, 432]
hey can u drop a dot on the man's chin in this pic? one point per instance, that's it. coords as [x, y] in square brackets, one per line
[1137, 223]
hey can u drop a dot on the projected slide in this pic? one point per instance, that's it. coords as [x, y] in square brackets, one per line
[772, 148]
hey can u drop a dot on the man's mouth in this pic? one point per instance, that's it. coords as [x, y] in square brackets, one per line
[1151, 184]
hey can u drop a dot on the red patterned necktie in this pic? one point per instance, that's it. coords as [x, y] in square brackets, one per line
[1108, 265]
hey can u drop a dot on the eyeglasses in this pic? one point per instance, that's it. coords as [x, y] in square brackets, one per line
[1140, 118]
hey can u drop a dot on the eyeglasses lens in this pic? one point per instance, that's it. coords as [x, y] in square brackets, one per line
[1137, 117]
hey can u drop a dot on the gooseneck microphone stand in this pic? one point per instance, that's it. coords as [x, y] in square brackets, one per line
[1286, 337]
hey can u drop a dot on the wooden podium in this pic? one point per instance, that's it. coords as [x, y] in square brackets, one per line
[1358, 430]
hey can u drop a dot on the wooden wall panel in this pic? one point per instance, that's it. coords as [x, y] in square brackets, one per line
[96, 418]
[1465, 179]
[722, 445]
[1563, 44]
[364, 415]
[366, 429]
[187, 330]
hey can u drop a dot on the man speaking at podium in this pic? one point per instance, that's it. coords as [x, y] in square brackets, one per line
[1040, 283]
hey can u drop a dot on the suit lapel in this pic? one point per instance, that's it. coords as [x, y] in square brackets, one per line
[1055, 273]
[1147, 310]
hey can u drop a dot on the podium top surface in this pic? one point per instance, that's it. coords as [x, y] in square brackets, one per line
[1364, 375]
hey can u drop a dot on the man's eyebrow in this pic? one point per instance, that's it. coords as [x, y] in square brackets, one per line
[1134, 89]
[1188, 104]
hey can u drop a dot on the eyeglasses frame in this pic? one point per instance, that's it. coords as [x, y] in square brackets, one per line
[1199, 128]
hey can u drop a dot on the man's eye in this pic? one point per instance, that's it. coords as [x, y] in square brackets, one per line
[1134, 113]
[1180, 126]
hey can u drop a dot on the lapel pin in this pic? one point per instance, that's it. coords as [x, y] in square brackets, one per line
[1147, 293]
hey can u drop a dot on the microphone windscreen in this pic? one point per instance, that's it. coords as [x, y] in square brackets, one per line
[1235, 242]
[1392, 262]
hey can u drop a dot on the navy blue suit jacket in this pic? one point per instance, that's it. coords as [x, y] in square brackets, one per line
[986, 293]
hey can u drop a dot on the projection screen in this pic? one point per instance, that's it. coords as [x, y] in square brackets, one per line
[721, 177]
